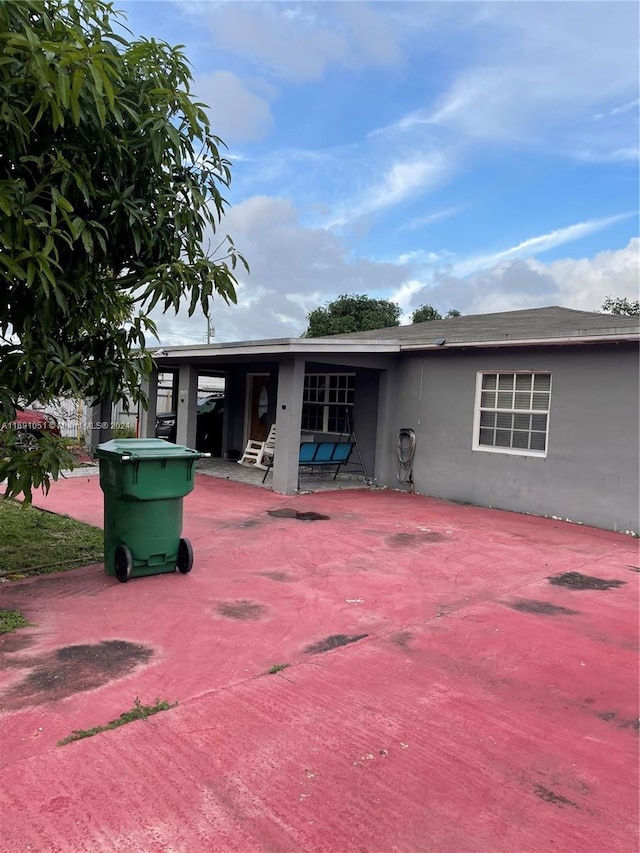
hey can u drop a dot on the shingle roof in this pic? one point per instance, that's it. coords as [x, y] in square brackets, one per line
[533, 324]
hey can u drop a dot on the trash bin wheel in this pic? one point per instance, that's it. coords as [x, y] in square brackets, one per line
[123, 563]
[185, 557]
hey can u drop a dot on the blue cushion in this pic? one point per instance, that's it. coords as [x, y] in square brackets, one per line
[307, 452]
[342, 451]
[324, 453]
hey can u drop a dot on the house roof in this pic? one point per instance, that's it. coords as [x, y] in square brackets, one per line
[530, 326]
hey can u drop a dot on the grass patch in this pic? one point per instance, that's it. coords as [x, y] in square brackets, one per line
[138, 712]
[35, 542]
[277, 667]
[10, 620]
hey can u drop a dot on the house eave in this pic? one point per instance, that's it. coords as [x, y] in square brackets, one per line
[280, 347]
[524, 342]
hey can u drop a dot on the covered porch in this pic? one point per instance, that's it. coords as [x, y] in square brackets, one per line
[312, 390]
[309, 481]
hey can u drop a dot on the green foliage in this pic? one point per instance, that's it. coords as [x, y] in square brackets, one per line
[10, 620]
[32, 463]
[352, 313]
[35, 542]
[110, 185]
[138, 712]
[276, 668]
[621, 306]
[427, 312]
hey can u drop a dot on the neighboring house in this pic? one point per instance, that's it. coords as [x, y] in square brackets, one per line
[534, 411]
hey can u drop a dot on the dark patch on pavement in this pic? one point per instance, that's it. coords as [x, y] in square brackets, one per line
[280, 577]
[402, 639]
[400, 539]
[287, 512]
[66, 584]
[551, 797]
[250, 611]
[607, 716]
[333, 642]
[250, 522]
[634, 569]
[62, 672]
[540, 608]
[15, 642]
[284, 512]
[576, 580]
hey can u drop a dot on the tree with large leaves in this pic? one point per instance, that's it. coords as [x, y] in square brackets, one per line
[111, 184]
[426, 313]
[352, 313]
[621, 306]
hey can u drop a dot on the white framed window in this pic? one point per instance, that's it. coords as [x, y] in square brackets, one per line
[512, 412]
[327, 402]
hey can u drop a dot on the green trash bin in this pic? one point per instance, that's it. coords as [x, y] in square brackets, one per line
[144, 481]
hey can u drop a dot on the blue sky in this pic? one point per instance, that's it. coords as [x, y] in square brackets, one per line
[482, 156]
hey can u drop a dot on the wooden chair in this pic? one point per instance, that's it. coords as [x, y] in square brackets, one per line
[256, 450]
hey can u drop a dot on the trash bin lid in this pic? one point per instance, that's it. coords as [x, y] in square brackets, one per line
[144, 448]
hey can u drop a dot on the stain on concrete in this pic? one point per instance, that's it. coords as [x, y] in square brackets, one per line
[250, 522]
[622, 723]
[279, 577]
[283, 512]
[68, 670]
[287, 512]
[402, 639]
[424, 536]
[576, 580]
[15, 642]
[635, 569]
[249, 611]
[333, 642]
[551, 797]
[540, 608]
[607, 715]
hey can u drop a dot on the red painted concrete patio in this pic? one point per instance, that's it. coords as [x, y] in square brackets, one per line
[483, 708]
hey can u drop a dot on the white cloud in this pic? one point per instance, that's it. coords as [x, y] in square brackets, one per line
[296, 269]
[533, 73]
[403, 180]
[537, 245]
[293, 270]
[403, 296]
[581, 283]
[371, 34]
[429, 219]
[623, 108]
[302, 41]
[618, 155]
[237, 114]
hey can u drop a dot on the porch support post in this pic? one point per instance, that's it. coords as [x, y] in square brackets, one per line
[100, 423]
[147, 417]
[187, 411]
[385, 437]
[288, 426]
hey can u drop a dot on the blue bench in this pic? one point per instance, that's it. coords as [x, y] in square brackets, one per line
[321, 454]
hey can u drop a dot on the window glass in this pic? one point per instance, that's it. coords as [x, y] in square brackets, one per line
[513, 412]
[327, 404]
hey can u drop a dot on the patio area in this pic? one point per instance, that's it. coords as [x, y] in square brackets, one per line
[309, 480]
[352, 670]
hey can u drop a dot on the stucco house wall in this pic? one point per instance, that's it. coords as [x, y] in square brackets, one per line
[590, 473]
